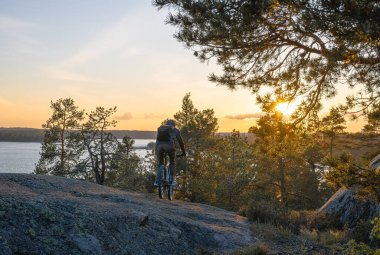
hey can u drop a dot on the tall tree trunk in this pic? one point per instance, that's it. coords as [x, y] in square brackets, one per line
[96, 170]
[62, 158]
[102, 160]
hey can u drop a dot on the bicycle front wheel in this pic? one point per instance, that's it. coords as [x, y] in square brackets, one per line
[170, 190]
[161, 191]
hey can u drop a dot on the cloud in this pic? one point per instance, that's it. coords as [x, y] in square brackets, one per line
[154, 116]
[244, 116]
[125, 116]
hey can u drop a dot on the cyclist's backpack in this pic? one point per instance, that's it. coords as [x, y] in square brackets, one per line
[164, 133]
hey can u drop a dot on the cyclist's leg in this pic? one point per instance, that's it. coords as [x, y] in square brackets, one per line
[160, 158]
[172, 167]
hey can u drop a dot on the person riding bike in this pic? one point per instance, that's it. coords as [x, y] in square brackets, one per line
[166, 136]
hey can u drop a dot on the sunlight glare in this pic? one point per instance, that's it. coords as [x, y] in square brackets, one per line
[286, 108]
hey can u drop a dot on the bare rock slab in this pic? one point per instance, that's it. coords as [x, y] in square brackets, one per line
[55, 215]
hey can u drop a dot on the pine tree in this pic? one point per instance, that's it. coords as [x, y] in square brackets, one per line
[99, 143]
[126, 170]
[61, 149]
[198, 130]
[283, 173]
[332, 125]
[233, 171]
[300, 48]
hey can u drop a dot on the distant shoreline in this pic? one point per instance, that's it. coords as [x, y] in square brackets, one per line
[18, 134]
[37, 135]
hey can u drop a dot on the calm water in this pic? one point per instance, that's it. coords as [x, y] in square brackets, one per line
[17, 157]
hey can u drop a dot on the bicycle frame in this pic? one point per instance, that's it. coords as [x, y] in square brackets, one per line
[164, 180]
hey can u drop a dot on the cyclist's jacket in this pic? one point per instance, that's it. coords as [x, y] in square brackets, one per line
[168, 134]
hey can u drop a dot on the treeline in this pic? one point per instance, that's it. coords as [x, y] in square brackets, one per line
[277, 177]
[21, 135]
[37, 135]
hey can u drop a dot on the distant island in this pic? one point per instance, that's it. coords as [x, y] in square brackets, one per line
[37, 135]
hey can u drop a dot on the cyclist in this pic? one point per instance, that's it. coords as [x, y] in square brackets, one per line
[166, 136]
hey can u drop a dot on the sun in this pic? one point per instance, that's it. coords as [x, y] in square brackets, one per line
[286, 108]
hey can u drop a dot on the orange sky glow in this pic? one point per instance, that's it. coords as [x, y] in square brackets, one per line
[108, 55]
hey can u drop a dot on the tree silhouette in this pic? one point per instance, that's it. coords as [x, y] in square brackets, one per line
[299, 48]
[61, 149]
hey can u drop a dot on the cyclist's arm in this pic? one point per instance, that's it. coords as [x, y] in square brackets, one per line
[180, 141]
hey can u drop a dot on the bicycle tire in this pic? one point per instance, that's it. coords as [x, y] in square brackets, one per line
[161, 191]
[161, 185]
[170, 192]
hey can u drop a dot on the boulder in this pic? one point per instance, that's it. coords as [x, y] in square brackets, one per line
[350, 209]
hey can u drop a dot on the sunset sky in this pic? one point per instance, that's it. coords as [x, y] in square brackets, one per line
[107, 53]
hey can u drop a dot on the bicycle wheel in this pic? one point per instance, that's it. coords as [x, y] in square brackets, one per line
[161, 185]
[170, 192]
[170, 189]
[161, 191]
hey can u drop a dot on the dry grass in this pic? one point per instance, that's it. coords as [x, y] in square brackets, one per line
[257, 249]
[328, 237]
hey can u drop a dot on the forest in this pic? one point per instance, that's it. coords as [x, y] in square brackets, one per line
[278, 175]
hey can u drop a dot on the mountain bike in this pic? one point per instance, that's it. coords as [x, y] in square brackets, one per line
[166, 183]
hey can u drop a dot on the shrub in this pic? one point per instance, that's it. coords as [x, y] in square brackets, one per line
[272, 213]
[361, 232]
[324, 221]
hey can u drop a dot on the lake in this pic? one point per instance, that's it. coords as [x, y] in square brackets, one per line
[19, 157]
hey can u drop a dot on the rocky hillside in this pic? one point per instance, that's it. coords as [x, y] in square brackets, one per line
[53, 215]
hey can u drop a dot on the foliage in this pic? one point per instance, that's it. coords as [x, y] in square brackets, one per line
[127, 169]
[299, 48]
[332, 125]
[234, 172]
[61, 148]
[345, 173]
[283, 171]
[88, 150]
[198, 131]
[373, 119]
[358, 249]
[100, 144]
[354, 248]
[375, 233]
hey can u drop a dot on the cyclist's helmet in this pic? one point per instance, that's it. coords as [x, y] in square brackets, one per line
[170, 123]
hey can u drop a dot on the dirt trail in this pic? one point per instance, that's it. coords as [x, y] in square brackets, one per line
[54, 215]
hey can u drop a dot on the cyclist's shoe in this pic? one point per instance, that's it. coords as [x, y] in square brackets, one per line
[155, 183]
